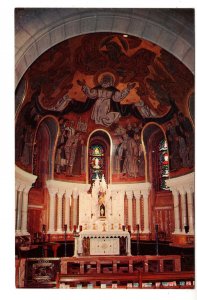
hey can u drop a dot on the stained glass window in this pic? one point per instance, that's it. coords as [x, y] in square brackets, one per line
[163, 164]
[96, 150]
[96, 161]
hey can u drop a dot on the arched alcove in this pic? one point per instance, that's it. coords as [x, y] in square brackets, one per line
[44, 148]
[153, 135]
[99, 142]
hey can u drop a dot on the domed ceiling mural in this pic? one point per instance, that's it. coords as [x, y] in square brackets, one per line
[101, 81]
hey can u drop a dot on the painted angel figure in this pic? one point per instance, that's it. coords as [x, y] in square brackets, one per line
[104, 93]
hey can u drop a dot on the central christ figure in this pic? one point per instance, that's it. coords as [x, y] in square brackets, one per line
[104, 93]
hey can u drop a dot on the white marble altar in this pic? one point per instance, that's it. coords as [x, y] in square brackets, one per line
[103, 242]
[101, 215]
[91, 205]
[64, 208]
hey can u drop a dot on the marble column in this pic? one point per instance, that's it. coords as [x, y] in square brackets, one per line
[190, 211]
[24, 211]
[16, 202]
[128, 246]
[180, 185]
[76, 247]
[130, 209]
[146, 212]
[52, 212]
[176, 211]
[19, 210]
[24, 181]
[137, 197]
[67, 212]
[183, 210]
[75, 196]
[59, 212]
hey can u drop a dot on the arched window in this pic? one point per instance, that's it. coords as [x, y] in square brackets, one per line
[163, 164]
[99, 156]
[157, 157]
[96, 161]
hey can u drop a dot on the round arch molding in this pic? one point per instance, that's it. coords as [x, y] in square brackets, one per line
[151, 134]
[39, 29]
[45, 143]
[102, 137]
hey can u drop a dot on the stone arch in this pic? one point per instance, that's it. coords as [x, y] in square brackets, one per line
[151, 134]
[45, 139]
[41, 29]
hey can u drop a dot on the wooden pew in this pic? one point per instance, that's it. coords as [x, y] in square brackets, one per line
[135, 277]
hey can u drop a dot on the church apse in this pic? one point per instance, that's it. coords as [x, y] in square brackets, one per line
[115, 84]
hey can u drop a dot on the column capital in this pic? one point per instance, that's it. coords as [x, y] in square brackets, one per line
[75, 193]
[17, 184]
[68, 193]
[129, 194]
[175, 192]
[26, 189]
[24, 177]
[182, 191]
[181, 183]
[137, 194]
[145, 193]
[21, 187]
[53, 192]
[60, 194]
[189, 189]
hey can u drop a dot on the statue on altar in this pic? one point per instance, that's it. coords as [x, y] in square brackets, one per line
[101, 202]
[102, 216]
[102, 211]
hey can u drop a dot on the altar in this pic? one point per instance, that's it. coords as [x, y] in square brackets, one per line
[101, 219]
[103, 243]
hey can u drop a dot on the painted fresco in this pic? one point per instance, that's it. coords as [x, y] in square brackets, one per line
[109, 82]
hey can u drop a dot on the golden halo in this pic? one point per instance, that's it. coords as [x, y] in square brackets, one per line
[112, 73]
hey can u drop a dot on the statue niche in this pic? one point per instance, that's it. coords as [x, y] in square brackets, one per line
[101, 202]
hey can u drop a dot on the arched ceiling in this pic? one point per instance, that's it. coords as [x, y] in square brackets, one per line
[39, 29]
